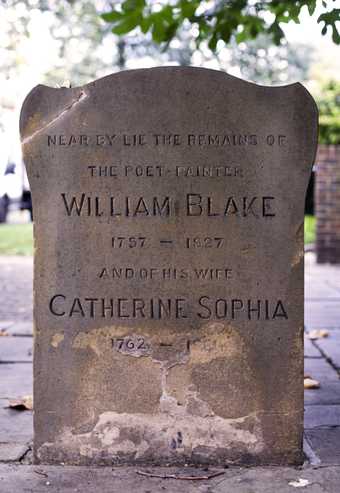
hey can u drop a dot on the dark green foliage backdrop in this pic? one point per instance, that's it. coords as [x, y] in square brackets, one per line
[224, 19]
[329, 110]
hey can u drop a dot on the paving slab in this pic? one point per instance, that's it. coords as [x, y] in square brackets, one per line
[322, 314]
[15, 426]
[23, 329]
[320, 289]
[334, 282]
[16, 277]
[6, 324]
[54, 479]
[331, 346]
[15, 380]
[12, 452]
[322, 416]
[322, 294]
[16, 349]
[270, 481]
[327, 394]
[310, 350]
[319, 369]
[321, 273]
[325, 444]
[329, 391]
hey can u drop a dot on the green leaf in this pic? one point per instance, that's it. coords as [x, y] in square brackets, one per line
[164, 26]
[225, 32]
[145, 24]
[335, 35]
[311, 5]
[158, 29]
[167, 14]
[132, 5]
[241, 36]
[127, 24]
[277, 33]
[188, 8]
[213, 42]
[330, 19]
[113, 16]
[171, 31]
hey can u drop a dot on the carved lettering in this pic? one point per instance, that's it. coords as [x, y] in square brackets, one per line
[207, 308]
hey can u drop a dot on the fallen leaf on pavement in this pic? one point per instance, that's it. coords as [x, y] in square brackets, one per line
[310, 383]
[24, 403]
[317, 334]
[300, 483]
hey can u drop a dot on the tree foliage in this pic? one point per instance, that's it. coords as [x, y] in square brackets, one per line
[329, 110]
[217, 20]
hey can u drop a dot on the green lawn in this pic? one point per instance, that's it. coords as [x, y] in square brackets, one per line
[309, 229]
[17, 239]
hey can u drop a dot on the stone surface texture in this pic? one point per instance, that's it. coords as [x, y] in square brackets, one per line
[139, 357]
[68, 479]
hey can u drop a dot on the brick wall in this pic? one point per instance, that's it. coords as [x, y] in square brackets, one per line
[327, 204]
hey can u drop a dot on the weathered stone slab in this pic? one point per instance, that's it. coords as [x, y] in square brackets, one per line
[329, 391]
[322, 314]
[15, 380]
[331, 346]
[12, 452]
[320, 369]
[16, 349]
[16, 426]
[322, 416]
[5, 325]
[324, 443]
[70, 479]
[327, 394]
[21, 329]
[168, 208]
[310, 350]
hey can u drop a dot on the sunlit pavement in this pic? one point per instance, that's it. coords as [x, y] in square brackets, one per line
[16, 277]
[321, 471]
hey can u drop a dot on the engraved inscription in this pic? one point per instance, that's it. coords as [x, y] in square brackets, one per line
[166, 273]
[168, 308]
[161, 171]
[207, 140]
[194, 204]
[133, 345]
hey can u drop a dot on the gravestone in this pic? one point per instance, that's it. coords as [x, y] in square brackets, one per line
[168, 292]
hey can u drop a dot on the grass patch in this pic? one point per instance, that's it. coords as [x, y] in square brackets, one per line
[16, 239]
[309, 229]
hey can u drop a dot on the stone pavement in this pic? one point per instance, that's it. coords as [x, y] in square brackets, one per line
[321, 470]
[16, 274]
